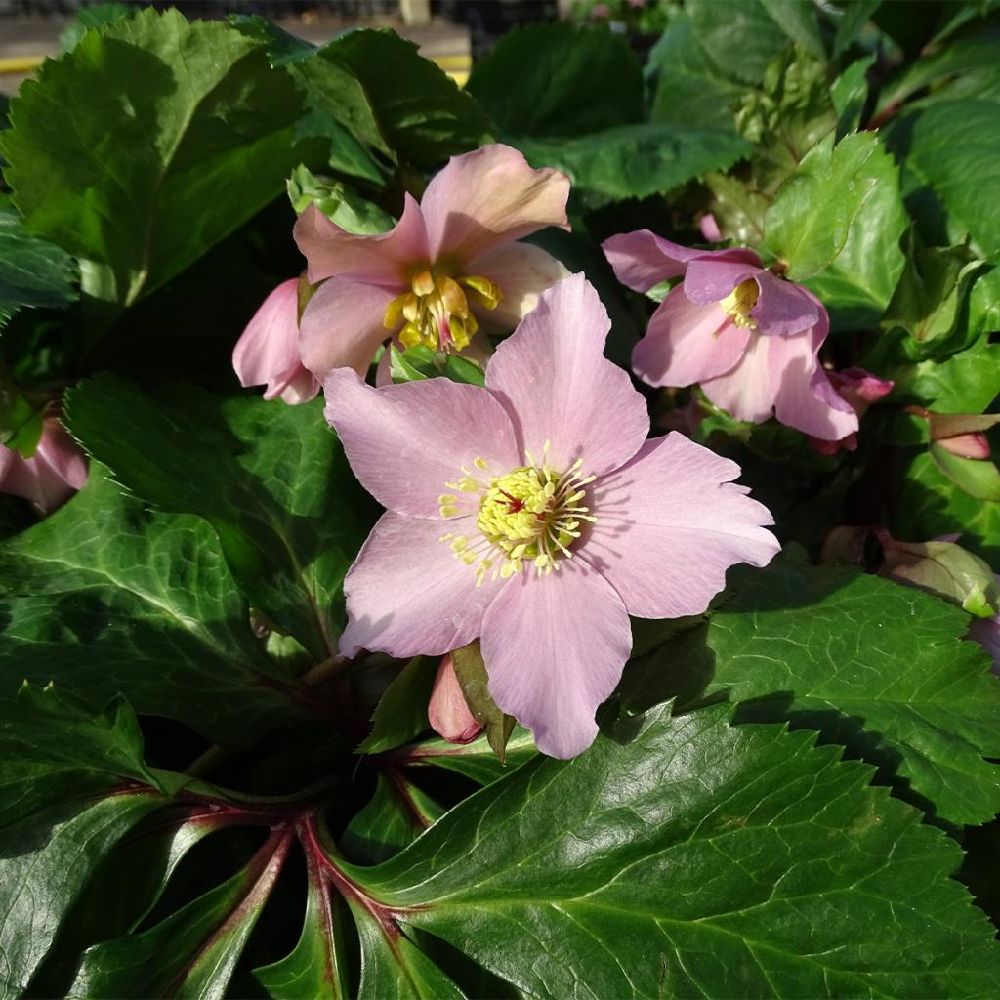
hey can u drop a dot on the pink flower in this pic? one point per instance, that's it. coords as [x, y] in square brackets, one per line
[986, 632]
[448, 710]
[860, 388]
[267, 352]
[749, 338]
[534, 514]
[450, 266]
[51, 476]
[710, 228]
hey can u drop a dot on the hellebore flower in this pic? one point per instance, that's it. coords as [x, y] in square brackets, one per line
[746, 336]
[534, 514]
[267, 352]
[51, 476]
[860, 388]
[448, 710]
[450, 266]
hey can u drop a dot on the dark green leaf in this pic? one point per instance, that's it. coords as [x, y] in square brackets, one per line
[272, 479]
[559, 80]
[797, 19]
[739, 36]
[33, 272]
[853, 18]
[105, 598]
[401, 713]
[690, 858]
[963, 383]
[97, 16]
[147, 144]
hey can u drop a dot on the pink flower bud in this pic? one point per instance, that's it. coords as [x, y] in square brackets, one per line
[710, 228]
[51, 476]
[967, 445]
[267, 352]
[860, 388]
[448, 712]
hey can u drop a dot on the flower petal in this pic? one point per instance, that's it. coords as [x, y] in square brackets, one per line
[267, 352]
[408, 594]
[522, 273]
[641, 259]
[342, 326]
[803, 395]
[554, 648]
[686, 343]
[557, 386]
[784, 307]
[386, 259]
[669, 525]
[745, 390]
[53, 473]
[406, 442]
[488, 197]
[710, 277]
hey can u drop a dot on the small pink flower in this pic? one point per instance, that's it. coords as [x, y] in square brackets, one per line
[51, 476]
[450, 266]
[267, 352]
[860, 388]
[747, 337]
[710, 228]
[534, 515]
[448, 710]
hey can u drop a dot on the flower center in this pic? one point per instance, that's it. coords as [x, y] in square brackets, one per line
[532, 514]
[435, 312]
[740, 301]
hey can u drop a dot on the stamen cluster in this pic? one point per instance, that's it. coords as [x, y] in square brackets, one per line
[740, 301]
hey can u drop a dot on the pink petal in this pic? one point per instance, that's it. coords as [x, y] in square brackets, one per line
[986, 631]
[554, 648]
[803, 396]
[710, 228]
[686, 343]
[407, 594]
[51, 475]
[641, 259]
[669, 525]
[488, 197]
[522, 272]
[448, 711]
[342, 327]
[710, 277]
[967, 445]
[557, 386]
[406, 442]
[267, 352]
[745, 391]
[783, 307]
[386, 259]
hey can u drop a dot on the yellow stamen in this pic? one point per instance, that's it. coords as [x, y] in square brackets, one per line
[740, 301]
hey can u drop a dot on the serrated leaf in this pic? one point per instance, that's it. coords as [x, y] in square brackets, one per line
[689, 857]
[401, 713]
[271, 479]
[337, 202]
[147, 144]
[33, 272]
[868, 662]
[963, 383]
[103, 598]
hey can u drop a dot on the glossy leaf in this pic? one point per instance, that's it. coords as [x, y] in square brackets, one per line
[476, 760]
[401, 712]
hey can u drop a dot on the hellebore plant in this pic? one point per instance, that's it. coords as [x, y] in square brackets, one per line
[451, 265]
[746, 336]
[534, 515]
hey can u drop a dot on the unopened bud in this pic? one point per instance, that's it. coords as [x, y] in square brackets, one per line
[448, 712]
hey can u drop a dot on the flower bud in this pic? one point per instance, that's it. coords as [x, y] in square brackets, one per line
[448, 712]
[860, 388]
[51, 475]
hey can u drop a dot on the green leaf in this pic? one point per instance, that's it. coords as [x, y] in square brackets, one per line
[825, 648]
[96, 16]
[559, 80]
[977, 477]
[963, 383]
[633, 161]
[401, 713]
[471, 673]
[22, 417]
[147, 144]
[337, 202]
[687, 857]
[931, 504]
[840, 207]
[272, 480]
[193, 952]
[33, 272]
[739, 36]
[949, 155]
[853, 18]
[476, 760]
[418, 363]
[849, 93]
[397, 813]
[797, 19]
[106, 598]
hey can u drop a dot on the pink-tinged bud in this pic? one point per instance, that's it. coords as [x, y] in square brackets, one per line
[448, 712]
[986, 631]
[268, 353]
[967, 445]
[51, 476]
[710, 228]
[860, 388]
